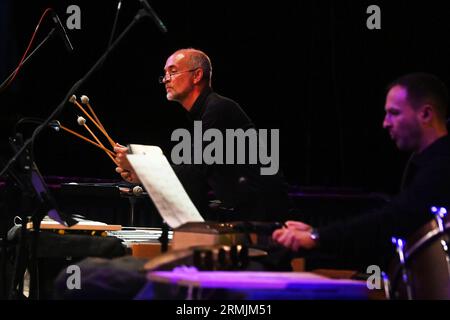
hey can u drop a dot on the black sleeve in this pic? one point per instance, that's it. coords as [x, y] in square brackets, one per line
[401, 217]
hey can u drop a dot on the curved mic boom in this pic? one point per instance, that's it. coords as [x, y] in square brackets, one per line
[154, 16]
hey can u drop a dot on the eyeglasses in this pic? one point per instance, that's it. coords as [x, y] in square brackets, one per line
[168, 76]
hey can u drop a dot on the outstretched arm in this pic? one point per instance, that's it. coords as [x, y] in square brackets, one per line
[295, 235]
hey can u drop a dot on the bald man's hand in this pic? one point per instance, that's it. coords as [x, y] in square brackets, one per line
[124, 167]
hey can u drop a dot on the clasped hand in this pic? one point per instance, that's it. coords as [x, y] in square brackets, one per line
[124, 167]
[295, 235]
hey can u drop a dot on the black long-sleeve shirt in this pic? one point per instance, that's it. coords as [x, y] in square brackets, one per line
[426, 183]
[251, 195]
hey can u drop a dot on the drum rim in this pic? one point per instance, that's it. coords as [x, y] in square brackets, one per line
[419, 245]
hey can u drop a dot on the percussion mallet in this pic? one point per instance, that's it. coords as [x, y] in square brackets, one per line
[82, 122]
[73, 99]
[85, 139]
[85, 100]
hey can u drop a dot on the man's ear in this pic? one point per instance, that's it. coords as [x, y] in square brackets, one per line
[198, 75]
[426, 114]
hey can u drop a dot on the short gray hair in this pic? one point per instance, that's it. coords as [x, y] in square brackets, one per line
[199, 59]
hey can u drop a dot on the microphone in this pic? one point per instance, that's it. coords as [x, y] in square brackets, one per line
[137, 190]
[55, 125]
[154, 16]
[62, 32]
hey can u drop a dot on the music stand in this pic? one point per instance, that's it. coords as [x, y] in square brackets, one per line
[40, 202]
[112, 190]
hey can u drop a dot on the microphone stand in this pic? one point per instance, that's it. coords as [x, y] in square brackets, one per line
[29, 143]
[28, 147]
[28, 57]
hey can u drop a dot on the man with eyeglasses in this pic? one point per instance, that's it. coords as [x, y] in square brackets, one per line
[240, 188]
[247, 194]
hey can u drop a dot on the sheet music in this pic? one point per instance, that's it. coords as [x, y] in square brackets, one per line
[163, 186]
[144, 149]
[81, 222]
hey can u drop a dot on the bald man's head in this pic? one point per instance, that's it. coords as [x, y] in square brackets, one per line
[197, 59]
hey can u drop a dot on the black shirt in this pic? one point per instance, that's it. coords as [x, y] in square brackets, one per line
[426, 183]
[241, 188]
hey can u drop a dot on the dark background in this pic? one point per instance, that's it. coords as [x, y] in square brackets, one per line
[309, 68]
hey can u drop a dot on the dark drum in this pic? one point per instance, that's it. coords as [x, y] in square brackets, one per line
[422, 270]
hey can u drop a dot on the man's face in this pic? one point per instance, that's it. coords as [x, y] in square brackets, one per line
[401, 120]
[179, 84]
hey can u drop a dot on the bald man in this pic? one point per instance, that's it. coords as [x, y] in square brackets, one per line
[241, 188]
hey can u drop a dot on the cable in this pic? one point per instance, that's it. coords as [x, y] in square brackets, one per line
[32, 120]
[16, 71]
[29, 144]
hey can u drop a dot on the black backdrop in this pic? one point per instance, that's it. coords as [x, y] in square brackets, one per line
[309, 68]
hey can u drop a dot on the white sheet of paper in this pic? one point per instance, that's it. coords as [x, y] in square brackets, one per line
[144, 149]
[163, 186]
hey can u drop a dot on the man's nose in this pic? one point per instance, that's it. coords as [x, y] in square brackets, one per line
[386, 123]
